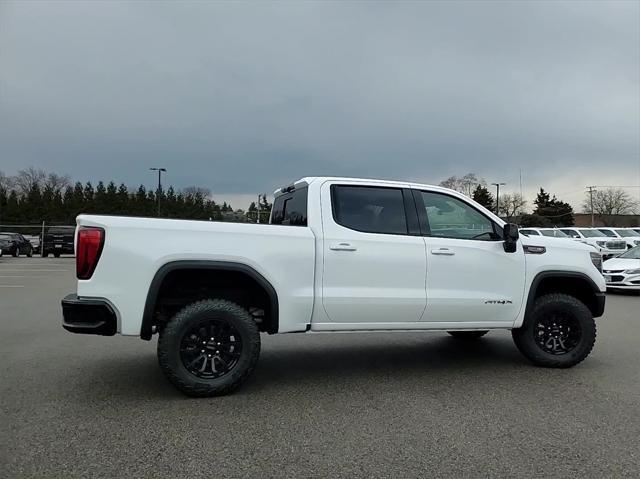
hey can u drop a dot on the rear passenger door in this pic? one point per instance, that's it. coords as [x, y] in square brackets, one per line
[374, 267]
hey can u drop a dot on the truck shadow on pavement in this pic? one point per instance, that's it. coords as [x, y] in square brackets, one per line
[313, 364]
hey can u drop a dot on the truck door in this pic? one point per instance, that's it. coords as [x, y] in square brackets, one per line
[374, 257]
[470, 278]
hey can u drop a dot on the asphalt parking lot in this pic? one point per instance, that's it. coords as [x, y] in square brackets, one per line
[341, 405]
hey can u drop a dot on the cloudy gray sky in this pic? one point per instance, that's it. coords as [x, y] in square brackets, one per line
[246, 97]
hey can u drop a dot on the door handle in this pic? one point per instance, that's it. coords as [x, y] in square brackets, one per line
[343, 246]
[443, 251]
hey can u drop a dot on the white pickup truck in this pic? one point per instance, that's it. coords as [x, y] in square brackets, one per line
[339, 254]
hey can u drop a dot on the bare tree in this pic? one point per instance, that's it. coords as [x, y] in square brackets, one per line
[28, 178]
[465, 185]
[56, 182]
[196, 191]
[610, 202]
[512, 204]
[6, 182]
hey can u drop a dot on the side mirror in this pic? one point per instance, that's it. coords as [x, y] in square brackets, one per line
[510, 235]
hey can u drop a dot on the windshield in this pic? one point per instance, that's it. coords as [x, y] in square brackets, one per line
[633, 253]
[626, 233]
[591, 233]
[554, 233]
[608, 233]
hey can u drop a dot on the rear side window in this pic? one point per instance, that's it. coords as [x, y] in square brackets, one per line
[530, 232]
[369, 209]
[290, 209]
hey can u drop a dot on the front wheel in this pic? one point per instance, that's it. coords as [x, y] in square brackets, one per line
[467, 334]
[209, 348]
[30, 253]
[559, 332]
[16, 252]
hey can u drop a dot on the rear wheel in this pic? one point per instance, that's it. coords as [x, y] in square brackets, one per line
[45, 255]
[209, 348]
[30, 253]
[558, 332]
[57, 255]
[16, 252]
[467, 334]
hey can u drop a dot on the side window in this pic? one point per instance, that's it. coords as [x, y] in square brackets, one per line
[290, 209]
[369, 209]
[451, 218]
[530, 232]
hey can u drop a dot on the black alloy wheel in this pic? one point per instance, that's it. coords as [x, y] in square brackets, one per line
[211, 348]
[557, 333]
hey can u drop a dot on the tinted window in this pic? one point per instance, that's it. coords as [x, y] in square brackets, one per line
[591, 233]
[530, 232]
[608, 233]
[60, 231]
[290, 209]
[369, 209]
[553, 233]
[451, 218]
[571, 233]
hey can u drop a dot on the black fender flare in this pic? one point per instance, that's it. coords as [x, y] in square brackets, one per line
[154, 288]
[597, 310]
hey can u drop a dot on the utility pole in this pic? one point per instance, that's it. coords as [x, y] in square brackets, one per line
[497, 185]
[591, 189]
[159, 170]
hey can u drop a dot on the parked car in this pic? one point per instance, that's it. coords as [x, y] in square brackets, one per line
[623, 272]
[35, 242]
[339, 255]
[7, 245]
[631, 240]
[58, 240]
[608, 247]
[19, 244]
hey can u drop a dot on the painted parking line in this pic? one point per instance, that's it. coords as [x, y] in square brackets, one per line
[11, 286]
[35, 270]
[21, 276]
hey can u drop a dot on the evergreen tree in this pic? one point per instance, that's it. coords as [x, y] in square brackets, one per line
[552, 211]
[88, 194]
[483, 196]
[100, 204]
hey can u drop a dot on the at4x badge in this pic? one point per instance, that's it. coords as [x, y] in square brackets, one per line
[498, 301]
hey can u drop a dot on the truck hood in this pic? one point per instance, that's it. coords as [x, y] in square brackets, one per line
[621, 263]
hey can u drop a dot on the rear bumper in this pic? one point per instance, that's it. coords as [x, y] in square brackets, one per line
[88, 316]
[62, 248]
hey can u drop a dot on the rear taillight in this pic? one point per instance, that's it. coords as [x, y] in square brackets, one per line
[88, 249]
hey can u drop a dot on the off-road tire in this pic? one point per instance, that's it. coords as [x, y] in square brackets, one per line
[171, 336]
[467, 335]
[524, 337]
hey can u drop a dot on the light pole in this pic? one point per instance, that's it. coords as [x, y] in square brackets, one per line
[497, 185]
[592, 189]
[159, 170]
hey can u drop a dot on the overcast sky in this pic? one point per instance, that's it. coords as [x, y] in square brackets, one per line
[244, 98]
